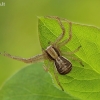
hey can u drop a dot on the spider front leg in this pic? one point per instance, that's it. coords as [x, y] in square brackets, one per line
[28, 60]
[62, 28]
[69, 38]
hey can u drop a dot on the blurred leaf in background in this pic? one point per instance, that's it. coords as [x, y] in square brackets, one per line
[28, 85]
[18, 26]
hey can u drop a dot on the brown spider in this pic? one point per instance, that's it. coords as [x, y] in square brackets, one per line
[52, 52]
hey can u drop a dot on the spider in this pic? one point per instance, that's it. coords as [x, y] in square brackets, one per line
[52, 52]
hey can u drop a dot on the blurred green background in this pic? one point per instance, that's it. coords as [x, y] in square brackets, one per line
[19, 26]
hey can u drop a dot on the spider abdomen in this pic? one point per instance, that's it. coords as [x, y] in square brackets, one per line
[63, 65]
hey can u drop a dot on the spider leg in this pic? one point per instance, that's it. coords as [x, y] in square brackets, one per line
[70, 53]
[47, 66]
[28, 60]
[76, 59]
[62, 27]
[70, 36]
[56, 77]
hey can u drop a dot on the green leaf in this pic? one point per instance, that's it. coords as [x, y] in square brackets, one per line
[81, 82]
[32, 83]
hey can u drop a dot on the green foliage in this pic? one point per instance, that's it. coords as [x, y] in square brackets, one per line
[32, 83]
[82, 83]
